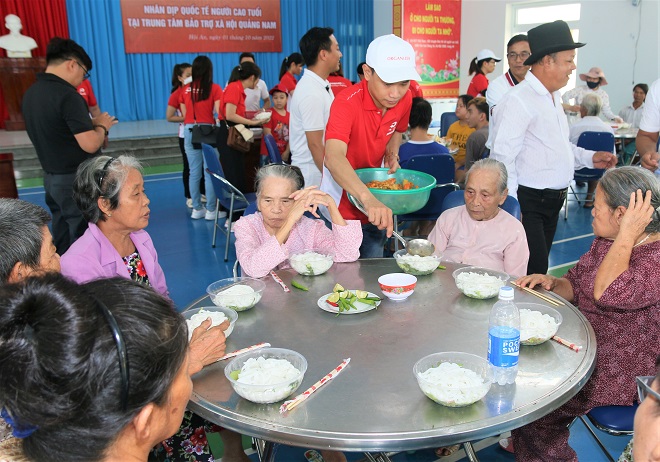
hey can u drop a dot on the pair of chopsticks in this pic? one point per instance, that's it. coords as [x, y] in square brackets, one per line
[243, 350]
[551, 300]
[290, 404]
[279, 281]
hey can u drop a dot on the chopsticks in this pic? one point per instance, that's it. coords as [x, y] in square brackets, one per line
[279, 281]
[566, 343]
[551, 300]
[243, 350]
[290, 404]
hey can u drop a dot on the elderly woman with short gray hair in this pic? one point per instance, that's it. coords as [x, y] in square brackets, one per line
[110, 194]
[264, 240]
[479, 232]
[614, 285]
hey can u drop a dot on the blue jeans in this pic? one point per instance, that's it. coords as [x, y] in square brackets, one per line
[373, 241]
[197, 167]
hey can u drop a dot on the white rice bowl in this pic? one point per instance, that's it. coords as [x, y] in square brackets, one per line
[239, 297]
[416, 265]
[267, 380]
[536, 327]
[452, 385]
[311, 263]
[480, 283]
[263, 115]
[217, 318]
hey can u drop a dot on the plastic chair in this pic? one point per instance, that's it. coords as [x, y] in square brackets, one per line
[273, 153]
[613, 420]
[441, 167]
[228, 196]
[446, 119]
[457, 198]
[594, 141]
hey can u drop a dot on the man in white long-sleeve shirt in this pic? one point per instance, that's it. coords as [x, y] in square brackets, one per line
[531, 138]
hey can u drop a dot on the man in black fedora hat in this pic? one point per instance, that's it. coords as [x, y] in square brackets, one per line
[530, 136]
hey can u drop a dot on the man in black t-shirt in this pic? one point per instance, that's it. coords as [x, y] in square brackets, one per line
[58, 124]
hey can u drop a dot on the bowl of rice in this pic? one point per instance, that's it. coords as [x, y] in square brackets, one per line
[538, 323]
[452, 378]
[311, 262]
[480, 283]
[416, 265]
[239, 293]
[218, 314]
[267, 375]
[263, 115]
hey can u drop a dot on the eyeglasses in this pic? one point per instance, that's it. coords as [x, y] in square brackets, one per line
[87, 73]
[644, 387]
[514, 56]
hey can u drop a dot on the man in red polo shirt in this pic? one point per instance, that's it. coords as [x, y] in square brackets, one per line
[364, 130]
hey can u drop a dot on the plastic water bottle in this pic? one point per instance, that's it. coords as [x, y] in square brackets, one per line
[504, 338]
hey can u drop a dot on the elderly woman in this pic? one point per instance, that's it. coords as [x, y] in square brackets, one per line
[595, 80]
[612, 287]
[265, 240]
[27, 245]
[66, 385]
[479, 232]
[110, 193]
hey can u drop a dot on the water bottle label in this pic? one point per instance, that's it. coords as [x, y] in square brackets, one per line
[503, 350]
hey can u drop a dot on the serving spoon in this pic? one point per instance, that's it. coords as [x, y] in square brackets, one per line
[421, 247]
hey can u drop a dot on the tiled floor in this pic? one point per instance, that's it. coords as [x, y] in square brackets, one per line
[185, 253]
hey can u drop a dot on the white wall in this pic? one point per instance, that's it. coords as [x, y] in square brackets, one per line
[608, 27]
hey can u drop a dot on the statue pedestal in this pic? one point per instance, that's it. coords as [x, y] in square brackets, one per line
[16, 76]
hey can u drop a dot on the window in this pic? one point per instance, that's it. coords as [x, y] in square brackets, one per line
[526, 16]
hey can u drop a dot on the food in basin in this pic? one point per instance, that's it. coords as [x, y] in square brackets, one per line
[240, 293]
[397, 286]
[218, 314]
[538, 323]
[416, 265]
[267, 375]
[453, 379]
[311, 262]
[481, 283]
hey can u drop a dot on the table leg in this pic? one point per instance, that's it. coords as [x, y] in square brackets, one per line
[265, 450]
[469, 451]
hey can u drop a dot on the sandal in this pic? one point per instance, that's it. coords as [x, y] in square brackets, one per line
[507, 445]
[447, 450]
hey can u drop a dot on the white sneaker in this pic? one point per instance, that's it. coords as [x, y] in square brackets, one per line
[189, 203]
[197, 214]
[222, 214]
[210, 214]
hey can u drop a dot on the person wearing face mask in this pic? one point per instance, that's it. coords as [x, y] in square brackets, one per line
[595, 79]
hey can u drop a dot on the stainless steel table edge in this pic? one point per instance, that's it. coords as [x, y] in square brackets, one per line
[396, 441]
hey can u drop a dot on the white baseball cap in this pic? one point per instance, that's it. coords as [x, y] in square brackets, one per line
[487, 54]
[393, 59]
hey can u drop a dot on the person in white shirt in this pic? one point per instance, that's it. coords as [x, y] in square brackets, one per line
[310, 104]
[517, 51]
[254, 96]
[632, 113]
[595, 80]
[530, 136]
[649, 129]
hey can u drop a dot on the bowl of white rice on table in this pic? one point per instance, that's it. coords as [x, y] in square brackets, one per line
[538, 323]
[267, 375]
[481, 283]
[218, 314]
[311, 262]
[453, 379]
[239, 293]
[416, 265]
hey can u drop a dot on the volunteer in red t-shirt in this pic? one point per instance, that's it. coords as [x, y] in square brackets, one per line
[364, 130]
[278, 124]
[291, 66]
[481, 66]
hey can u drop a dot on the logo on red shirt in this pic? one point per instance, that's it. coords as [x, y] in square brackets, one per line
[391, 129]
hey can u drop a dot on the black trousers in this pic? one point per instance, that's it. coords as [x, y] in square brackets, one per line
[68, 222]
[233, 164]
[540, 212]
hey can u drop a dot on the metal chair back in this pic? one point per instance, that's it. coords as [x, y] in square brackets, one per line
[613, 420]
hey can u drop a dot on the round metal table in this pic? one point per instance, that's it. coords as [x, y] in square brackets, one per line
[375, 404]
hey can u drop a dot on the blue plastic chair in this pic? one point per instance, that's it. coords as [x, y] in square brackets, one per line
[251, 208]
[273, 153]
[594, 141]
[446, 119]
[441, 167]
[457, 198]
[613, 420]
[228, 195]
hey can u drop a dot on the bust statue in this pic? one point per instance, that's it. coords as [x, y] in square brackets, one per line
[16, 44]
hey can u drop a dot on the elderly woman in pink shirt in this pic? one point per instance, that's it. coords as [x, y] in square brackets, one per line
[264, 240]
[480, 233]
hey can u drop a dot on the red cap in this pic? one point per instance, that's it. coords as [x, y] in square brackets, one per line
[280, 89]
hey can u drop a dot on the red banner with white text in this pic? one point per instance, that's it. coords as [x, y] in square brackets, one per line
[433, 28]
[201, 26]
